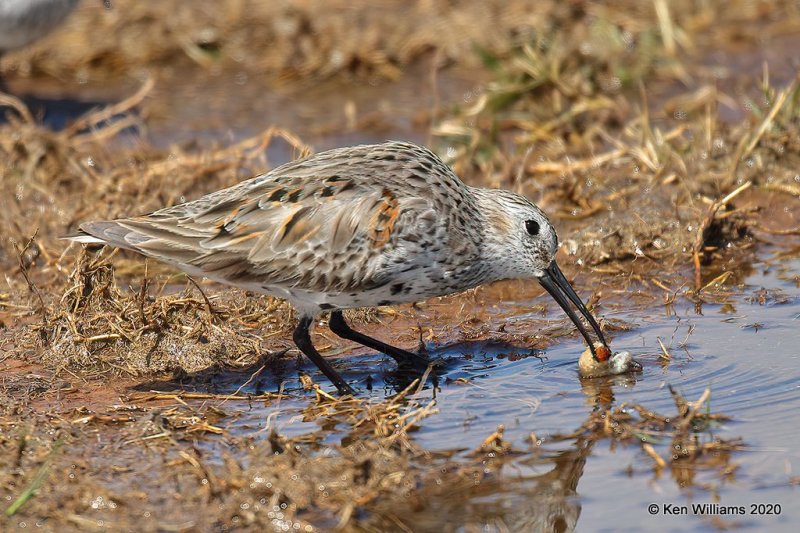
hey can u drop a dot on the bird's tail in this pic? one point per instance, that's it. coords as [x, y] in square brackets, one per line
[107, 232]
[83, 238]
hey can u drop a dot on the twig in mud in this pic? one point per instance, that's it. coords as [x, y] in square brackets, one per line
[494, 443]
[666, 26]
[698, 242]
[436, 61]
[252, 145]
[246, 383]
[323, 396]
[211, 312]
[665, 355]
[658, 283]
[792, 189]
[24, 271]
[687, 411]
[649, 450]
[423, 379]
[700, 401]
[744, 150]
[8, 100]
[92, 119]
[413, 417]
[143, 295]
[792, 231]
[405, 392]
[722, 278]
[180, 396]
[575, 165]
[95, 338]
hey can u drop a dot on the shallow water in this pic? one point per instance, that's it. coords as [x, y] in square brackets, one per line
[746, 351]
[324, 115]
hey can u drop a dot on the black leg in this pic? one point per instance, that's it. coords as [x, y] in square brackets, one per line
[303, 341]
[342, 329]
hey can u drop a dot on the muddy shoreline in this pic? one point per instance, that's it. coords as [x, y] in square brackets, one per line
[665, 146]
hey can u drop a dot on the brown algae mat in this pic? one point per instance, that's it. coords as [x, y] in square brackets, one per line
[588, 112]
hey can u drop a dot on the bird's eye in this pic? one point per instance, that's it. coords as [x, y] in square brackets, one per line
[532, 227]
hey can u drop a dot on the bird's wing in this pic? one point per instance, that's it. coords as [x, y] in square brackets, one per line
[320, 232]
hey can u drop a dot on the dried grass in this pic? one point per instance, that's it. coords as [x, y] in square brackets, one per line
[652, 194]
[653, 185]
[371, 476]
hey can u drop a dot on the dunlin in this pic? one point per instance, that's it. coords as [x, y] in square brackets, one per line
[354, 227]
[24, 21]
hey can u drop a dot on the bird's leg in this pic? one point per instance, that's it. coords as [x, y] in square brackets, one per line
[302, 339]
[342, 329]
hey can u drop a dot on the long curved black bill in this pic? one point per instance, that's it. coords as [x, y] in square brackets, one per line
[558, 287]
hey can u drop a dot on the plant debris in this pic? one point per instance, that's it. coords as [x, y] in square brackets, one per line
[133, 397]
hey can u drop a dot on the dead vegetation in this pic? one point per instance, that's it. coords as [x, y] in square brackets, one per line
[571, 119]
[301, 41]
[640, 186]
[370, 476]
[605, 114]
[54, 179]
[95, 323]
[686, 438]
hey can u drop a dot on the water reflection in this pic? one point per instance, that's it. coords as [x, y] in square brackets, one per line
[569, 440]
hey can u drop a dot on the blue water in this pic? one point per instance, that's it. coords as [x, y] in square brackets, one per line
[745, 351]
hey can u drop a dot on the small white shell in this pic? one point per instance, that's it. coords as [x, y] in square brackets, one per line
[618, 363]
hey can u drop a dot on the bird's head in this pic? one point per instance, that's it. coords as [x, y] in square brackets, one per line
[522, 244]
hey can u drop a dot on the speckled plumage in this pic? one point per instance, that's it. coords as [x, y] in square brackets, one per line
[350, 227]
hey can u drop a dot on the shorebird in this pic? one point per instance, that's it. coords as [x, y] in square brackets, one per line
[24, 21]
[361, 226]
